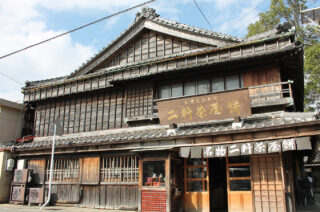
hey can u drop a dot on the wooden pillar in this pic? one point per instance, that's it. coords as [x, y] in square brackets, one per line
[168, 182]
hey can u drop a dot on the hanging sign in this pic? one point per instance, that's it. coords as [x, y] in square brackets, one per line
[230, 150]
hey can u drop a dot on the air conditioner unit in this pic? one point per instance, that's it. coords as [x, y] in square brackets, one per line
[10, 165]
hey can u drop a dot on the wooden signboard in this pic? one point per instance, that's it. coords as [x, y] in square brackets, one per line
[206, 107]
[36, 195]
[20, 176]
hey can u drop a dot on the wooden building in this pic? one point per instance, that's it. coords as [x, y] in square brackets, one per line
[170, 117]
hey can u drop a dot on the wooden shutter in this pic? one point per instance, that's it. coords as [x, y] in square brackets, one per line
[38, 167]
[90, 168]
[268, 183]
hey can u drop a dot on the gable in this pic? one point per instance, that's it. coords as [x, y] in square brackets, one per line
[149, 45]
[150, 37]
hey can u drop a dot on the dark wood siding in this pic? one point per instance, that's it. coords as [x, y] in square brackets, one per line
[148, 45]
[139, 99]
[101, 110]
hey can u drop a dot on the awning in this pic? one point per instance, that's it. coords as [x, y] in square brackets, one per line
[250, 148]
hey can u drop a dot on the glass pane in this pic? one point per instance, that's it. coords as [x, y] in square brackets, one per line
[177, 90]
[153, 173]
[189, 88]
[197, 173]
[217, 84]
[232, 82]
[196, 162]
[164, 91]
[240, 185]
[203, 86]
[196, 186]
[243, 171]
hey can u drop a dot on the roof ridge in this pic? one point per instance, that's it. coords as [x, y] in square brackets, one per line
[151, 15]
[195, 29]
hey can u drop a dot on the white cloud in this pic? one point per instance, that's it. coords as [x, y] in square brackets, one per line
[56, 58]
[237, 17]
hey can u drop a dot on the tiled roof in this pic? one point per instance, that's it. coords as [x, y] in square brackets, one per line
[149, 14]
[157, 132]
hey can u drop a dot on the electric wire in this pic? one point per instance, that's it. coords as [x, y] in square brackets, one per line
[260, 3]
[76, 29]
[203, 14]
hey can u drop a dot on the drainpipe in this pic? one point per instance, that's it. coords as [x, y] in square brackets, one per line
[56, 126]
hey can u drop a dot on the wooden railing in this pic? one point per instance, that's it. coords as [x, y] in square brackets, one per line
[264, 95]
[270, 92]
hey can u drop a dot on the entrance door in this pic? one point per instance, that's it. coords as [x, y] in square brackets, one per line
[239, 184]
[218, 185]
[196, 184]
[268, 183]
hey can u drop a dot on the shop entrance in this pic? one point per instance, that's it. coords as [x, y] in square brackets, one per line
[218, 185]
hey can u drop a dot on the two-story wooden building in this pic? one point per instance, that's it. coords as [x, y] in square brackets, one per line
[170, 117]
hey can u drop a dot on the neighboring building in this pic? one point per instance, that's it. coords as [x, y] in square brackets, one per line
[10, 116]
[171, 117]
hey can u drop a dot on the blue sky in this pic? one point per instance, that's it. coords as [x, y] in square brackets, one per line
[30, 21]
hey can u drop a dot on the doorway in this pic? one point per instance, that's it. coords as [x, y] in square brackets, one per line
[218, 185]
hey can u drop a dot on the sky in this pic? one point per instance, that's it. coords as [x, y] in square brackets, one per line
[25, 22]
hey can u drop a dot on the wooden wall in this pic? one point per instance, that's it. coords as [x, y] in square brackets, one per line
[261, 76]
[139, 99]
[111, 196]
[148, 45]
[38, 166]
[93, 111]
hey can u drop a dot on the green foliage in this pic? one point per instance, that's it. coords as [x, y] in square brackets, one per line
[312, 77]
[289, 11]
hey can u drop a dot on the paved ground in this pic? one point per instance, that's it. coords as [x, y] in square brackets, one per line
[26, 208]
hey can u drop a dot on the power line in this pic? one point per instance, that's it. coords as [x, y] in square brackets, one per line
[260, 3]
[78, 28]
[11, 78]
[203, 14]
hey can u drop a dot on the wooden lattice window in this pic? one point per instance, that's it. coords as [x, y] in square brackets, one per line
[64, 170]
[120, 169]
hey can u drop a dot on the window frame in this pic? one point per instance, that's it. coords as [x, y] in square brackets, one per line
[197, 83]
[238, 164]
[204, 180]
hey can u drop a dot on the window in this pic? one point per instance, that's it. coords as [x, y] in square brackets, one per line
[203, 86]
[239, 174]
[165, 92]
[218, 84]
[64, 170]
[232, 82]
[196, 175]
[154, 173]
[177, 90]
[120, 169]
[188, 88]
